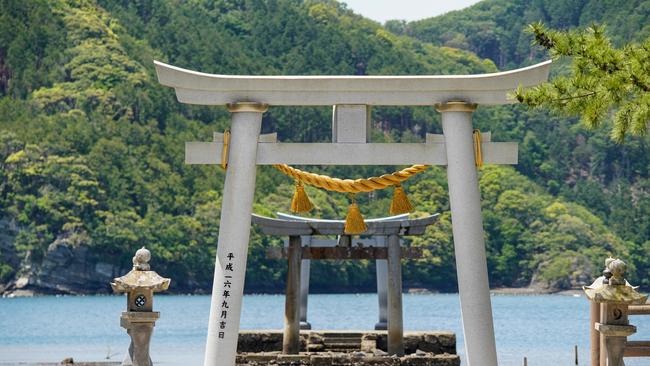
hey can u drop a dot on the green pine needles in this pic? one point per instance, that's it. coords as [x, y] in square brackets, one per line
[605, 81]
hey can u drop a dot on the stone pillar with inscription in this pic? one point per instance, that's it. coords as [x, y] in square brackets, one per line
[139, 319]
[234, 234]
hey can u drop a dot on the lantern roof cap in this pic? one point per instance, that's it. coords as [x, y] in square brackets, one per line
[141, 277]
[613, 288]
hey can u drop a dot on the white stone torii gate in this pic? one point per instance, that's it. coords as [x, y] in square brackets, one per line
[248, 97]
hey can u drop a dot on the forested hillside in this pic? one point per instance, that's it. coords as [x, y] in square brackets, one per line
[91, 150]
[493, 28]
[578, 165]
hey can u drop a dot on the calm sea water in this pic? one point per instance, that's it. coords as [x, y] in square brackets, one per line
[543, 328]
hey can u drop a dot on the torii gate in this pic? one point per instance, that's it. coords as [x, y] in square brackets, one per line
[248, 97]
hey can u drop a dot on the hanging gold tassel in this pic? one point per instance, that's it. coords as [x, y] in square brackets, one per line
[225, 149]
[478, 155]
[300, 201]
[400, 203]
[354, 223]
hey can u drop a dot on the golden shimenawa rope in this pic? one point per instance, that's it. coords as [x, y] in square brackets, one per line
[351, 185]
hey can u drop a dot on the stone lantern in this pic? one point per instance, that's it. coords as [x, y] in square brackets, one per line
[139, 318]
[611, 296]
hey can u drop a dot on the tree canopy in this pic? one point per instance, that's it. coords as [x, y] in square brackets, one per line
[603, 80]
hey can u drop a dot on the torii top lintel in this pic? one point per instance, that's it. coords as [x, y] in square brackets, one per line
[211, 89]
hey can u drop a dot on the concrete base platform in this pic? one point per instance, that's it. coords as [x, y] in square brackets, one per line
[330, 348]
[345, 359]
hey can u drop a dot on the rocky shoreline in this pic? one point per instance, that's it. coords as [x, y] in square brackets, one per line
[535, 291]
[66, 269]
[59, 364]
[520, 291]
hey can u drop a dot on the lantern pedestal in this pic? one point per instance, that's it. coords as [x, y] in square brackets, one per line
[139, 326]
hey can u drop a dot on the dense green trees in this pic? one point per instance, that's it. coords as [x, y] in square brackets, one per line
[91, 147]
[31, 44]
[494, 28]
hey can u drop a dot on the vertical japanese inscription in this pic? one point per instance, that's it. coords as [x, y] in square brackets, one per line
[226, 294]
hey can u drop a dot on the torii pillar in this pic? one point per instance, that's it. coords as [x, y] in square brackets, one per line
[467, 227]
[234, 234]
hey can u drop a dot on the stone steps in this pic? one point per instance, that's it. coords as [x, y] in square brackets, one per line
[342, 348]
[342, 342]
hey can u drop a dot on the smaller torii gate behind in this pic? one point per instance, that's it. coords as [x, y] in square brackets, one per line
[380, 265]
[296, 227]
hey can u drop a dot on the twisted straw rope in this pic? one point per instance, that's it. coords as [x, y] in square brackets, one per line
[351, 185]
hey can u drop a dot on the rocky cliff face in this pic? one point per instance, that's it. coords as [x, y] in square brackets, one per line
[563, 273]
[67, 268]
[8, 257]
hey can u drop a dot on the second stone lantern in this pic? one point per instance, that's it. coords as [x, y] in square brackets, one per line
[610, 296]
[139, 318]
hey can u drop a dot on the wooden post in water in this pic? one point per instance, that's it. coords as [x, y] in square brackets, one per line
[395, 321]
[291, 339]
[576, 352]
[593, 333]
[525, 361]
[602, 356]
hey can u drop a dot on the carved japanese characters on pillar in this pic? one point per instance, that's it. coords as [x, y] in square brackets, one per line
[227, 285]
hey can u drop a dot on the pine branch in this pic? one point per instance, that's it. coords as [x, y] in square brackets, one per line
[604, 79]
[574, 97]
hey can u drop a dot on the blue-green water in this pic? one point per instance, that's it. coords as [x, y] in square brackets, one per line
[543, 328]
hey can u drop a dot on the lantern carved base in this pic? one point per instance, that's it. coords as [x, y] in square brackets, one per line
[139, 326]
